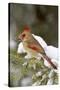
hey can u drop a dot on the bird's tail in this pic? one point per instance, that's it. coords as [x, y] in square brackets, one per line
[50, 62]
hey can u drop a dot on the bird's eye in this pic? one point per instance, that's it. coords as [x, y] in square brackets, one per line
[23, 35]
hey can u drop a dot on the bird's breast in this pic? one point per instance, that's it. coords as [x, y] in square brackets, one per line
[29, 50]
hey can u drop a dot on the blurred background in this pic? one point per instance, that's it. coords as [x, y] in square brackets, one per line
[43, 21]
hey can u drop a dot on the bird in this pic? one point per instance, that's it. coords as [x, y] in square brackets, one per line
[50, 50]
[38, 38]
[32, 46]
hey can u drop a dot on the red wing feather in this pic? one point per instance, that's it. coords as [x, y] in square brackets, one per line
[33, 47]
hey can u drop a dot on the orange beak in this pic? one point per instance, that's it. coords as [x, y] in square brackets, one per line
[20, 37]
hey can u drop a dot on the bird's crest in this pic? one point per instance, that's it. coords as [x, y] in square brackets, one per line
[27, 29]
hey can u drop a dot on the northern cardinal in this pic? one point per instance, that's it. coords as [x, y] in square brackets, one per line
[32, 46]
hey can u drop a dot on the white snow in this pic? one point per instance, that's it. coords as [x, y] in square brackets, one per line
[28, 56]
[50, 82]
[52, 52]
[24, 64]
[34, 66]
[21, 48]
[37, 83]
[39, 73]
[51, 74]
[40, 40]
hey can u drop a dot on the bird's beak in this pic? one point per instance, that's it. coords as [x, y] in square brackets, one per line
[20, 38]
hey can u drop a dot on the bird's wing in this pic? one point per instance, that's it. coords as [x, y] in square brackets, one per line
[34, 44]
[40, 40]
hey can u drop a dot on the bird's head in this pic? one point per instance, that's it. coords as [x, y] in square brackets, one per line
[25, 34]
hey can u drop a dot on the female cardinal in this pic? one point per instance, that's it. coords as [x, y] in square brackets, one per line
[32, 46]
